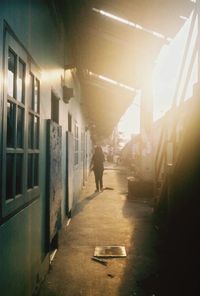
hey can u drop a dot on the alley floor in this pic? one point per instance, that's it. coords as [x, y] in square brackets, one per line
[101, 219]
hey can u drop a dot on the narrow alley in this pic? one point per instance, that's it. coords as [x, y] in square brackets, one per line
[101, 219]
[110, 87]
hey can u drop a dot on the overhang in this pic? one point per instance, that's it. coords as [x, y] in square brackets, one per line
[115, 49]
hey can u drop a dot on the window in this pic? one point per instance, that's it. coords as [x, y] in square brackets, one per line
[33, 135]
[12, 66]
[76, 145]
[21, 81]
[15, 124]
[20, 165]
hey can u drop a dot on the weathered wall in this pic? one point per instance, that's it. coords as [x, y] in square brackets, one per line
[22, 237]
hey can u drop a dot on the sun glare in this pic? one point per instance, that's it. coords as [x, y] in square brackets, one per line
[114, 82]
[51, 75]
[175, 68]
[129, 123]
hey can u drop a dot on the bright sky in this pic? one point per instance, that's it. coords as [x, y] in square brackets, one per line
[130, 122]
[168, 67]
[166, 74]
[165, 80]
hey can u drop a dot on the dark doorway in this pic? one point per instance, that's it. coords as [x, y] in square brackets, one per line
[69, 122]
[69, 172]
[54, 107]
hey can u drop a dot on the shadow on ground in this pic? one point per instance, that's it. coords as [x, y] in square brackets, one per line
[141, 255]
[163, 261]
[81, 205]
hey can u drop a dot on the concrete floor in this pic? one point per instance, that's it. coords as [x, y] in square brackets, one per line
[107, 218]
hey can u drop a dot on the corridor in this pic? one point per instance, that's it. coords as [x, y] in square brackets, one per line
[100, 219]
[122, 75]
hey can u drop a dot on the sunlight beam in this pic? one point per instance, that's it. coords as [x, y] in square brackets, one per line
[114, 82]
[131, 24]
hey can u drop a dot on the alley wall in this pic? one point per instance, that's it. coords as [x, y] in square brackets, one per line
[30, 34]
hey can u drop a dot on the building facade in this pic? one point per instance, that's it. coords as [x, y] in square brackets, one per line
[44, 141]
